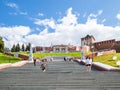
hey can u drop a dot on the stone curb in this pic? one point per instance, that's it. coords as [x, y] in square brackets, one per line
[18, 64]
[6, 65]
[101, 67]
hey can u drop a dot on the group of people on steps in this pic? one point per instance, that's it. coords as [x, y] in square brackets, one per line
[42, 66]
[88, 64]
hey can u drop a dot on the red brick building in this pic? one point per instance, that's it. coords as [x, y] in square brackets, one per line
[107, 45]
[100, 46]
[117, 46]
[42, 49]
[104, 45]
[56, 48]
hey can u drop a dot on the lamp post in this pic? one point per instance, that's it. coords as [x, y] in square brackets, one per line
[31, 56]
[92, 48]
[82, 51]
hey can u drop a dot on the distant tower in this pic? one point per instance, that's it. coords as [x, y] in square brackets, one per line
[86, 44]
[88, 40]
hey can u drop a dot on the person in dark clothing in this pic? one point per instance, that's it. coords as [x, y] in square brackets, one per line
[64, 58]
[43, 67]
[34, 62]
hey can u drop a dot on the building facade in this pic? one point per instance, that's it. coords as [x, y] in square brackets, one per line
[60, 48]
[56, 48]
[87, 42]
[100, 46]
[107, 45]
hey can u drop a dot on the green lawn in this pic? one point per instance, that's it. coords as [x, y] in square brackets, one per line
[42, 55]
[8, 59]
[107, 59]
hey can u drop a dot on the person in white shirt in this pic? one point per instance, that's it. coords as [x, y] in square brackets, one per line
[88, 63]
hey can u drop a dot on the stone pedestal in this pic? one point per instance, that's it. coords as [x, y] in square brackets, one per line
[31, 56]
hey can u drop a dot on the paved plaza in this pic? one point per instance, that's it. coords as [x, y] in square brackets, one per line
[60, 75]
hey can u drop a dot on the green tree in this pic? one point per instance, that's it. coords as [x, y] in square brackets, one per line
[23, 47]
[28, 47]
[17, 48]
[13, 49]
[1, 45]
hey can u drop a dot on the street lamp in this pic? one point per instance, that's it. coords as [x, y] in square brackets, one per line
[82, 51]
[31, 54]
[92, 48]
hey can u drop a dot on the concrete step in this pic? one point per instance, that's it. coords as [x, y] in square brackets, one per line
[59, 76]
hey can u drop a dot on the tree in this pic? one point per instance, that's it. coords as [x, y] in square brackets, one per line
[1, 45]
[17, 49]
[13, 49]
[23, 47]
[28, 47]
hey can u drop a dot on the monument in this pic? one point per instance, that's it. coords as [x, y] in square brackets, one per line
[31, 55]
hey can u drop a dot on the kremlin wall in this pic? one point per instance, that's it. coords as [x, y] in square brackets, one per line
[102, 45]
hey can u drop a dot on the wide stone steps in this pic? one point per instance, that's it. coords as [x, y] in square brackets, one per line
[59, 76]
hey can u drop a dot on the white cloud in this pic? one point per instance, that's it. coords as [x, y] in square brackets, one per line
[103, 20]
[17, 9]
[22, 13]
[40, 14]
[118, 16]
[69, 19]
[66, 30]
[93, 16]
[12, 5]
[100, 12]
[38, 29]
[44, 32]
[46, 22]
[13, 35]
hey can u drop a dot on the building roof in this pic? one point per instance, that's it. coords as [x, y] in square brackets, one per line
[88, 36]
[112, 40]
[60, 45]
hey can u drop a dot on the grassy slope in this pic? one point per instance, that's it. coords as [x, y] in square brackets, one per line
[107, 59]
[8, 59]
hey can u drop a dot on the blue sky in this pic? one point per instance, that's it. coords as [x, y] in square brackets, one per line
[42, 22]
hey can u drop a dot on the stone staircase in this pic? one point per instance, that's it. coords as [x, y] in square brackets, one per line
[59, 75]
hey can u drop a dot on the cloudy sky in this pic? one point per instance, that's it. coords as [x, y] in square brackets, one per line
[42, 22]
